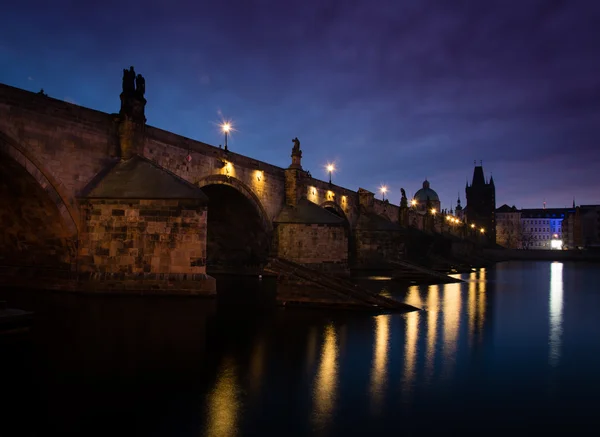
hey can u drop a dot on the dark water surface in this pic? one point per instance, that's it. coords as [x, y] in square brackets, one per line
[513, 351]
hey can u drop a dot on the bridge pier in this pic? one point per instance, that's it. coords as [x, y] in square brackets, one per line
[144, 229]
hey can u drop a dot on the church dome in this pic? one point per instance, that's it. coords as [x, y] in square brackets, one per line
[426, 192]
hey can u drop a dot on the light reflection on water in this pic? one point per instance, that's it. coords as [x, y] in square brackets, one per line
[223, 403]
[378, 372]
[487, 349]
[325, 385]
[556, 310]
[410, 352]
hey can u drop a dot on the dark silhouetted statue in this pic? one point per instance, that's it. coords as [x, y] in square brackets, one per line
[403, 200]
[128, 80]
[140, 85]
[296, 147]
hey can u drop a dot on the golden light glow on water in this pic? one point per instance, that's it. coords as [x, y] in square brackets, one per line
[257, 365]
[451, 309]
[410, 349]
[380, 356]
[223, 403]
[324, 390]
[476, 305]
[413, 297]
[481, 298]
[556, 311]
[433, 302]
[472, 304]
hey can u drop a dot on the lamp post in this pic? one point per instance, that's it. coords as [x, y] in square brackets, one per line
[226, 127]
[383, 190]
[330, 169]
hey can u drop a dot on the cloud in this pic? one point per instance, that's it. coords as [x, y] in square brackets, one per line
[399, 91]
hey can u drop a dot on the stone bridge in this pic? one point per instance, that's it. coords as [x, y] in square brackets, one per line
[108, 197]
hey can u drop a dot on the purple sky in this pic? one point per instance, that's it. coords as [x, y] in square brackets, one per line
[392, 91]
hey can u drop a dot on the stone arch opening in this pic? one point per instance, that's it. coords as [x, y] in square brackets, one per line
[336, 209]
[238, 230]
[37, 229]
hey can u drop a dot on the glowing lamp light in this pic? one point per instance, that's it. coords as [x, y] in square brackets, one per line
[259, 175]
[482, 230]
[413, 202]
[383, 190]
[226, 127]
[330, 168]
[433, 211]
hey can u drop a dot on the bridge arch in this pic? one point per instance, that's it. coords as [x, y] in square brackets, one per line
[239, 229]
[245, 190]
[335, 209]
[40, 223]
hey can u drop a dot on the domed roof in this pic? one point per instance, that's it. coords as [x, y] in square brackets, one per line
[426, 192]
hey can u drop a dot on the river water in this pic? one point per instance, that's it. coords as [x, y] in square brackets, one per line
[515, 350]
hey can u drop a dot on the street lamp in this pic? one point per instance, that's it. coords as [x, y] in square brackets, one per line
[413, 202]
[383, 190]
[433, 211]
[330, 169]
[225, 128]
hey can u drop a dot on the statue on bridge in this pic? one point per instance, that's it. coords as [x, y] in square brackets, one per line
[128, 80]
[140, 85]
[296, 154]
[403, 200]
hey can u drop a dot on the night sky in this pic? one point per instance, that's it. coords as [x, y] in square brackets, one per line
[393, 91]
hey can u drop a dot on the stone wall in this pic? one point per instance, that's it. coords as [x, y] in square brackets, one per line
[322, 193]
[262, 183]
[73, 143]
[386, 209]
[137, 237]
[373, 247]
[31, 229]
[312, 244]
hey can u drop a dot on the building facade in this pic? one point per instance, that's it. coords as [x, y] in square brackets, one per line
[543, 228]
[509, 231]
[481, 204]
[581, 228]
